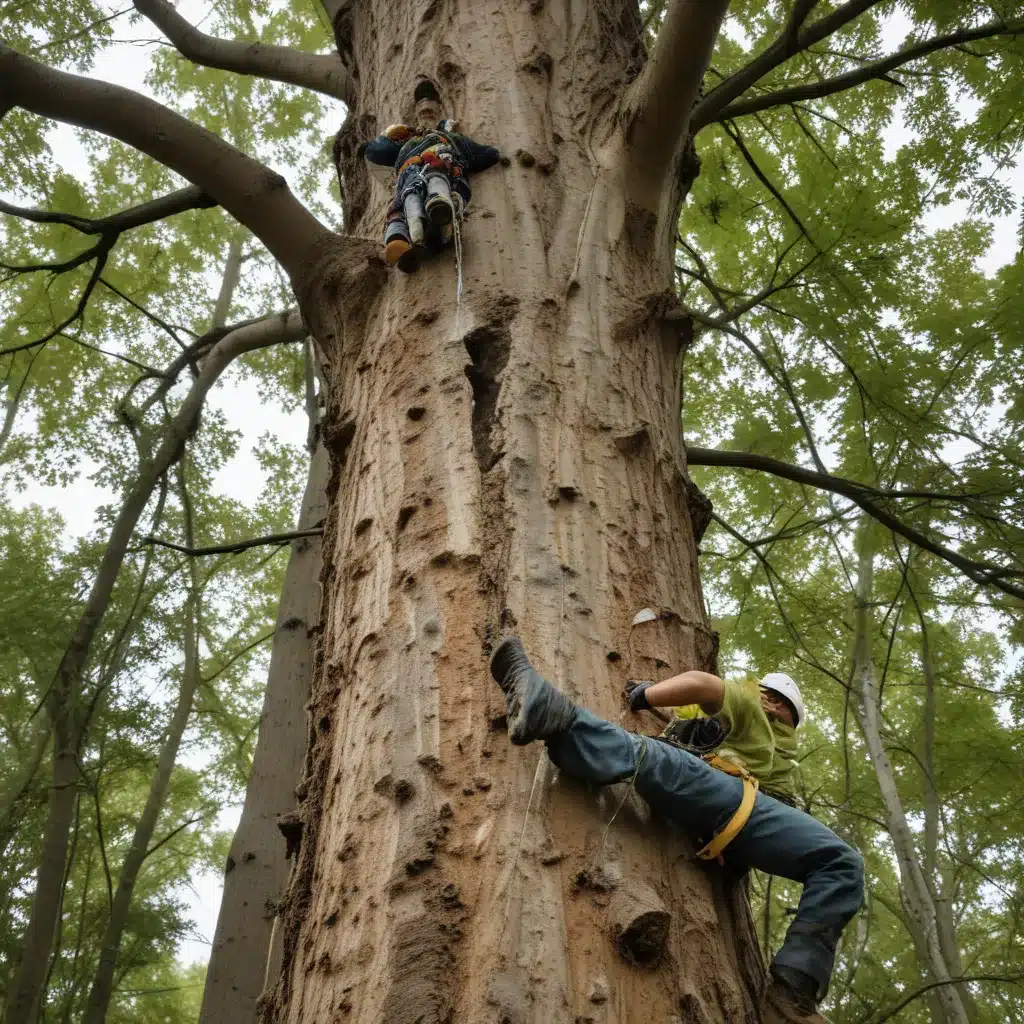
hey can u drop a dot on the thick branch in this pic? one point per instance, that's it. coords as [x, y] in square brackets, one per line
[324, 73]
[778, 53]
[237, 546]
[876, 69]
[983, 573]
[256, 196]
[658, 103]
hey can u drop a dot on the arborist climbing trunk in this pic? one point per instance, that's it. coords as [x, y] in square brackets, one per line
[431, 186]
[703, 800]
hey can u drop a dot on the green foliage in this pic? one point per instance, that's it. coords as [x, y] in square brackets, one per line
[877, 348]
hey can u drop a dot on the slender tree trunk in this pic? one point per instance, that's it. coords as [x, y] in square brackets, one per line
[256, 870]
[917, 896]
[941, 901]
[103, 980]
[513, 461]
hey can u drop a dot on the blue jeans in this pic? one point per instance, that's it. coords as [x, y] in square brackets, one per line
[777, 839]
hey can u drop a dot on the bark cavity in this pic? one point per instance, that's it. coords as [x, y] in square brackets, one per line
[488, 348]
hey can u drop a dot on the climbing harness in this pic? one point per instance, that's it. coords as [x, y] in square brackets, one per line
[714, 849]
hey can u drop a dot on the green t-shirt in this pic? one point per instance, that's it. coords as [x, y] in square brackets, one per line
[764, 747]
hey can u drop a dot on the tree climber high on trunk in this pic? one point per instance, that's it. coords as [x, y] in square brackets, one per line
[431, 163]
[748, 724]
[706, 803]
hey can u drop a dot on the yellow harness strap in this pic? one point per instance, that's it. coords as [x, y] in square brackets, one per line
[733, 826]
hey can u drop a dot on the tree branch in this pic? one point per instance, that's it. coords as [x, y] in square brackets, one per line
[255, 195]
[324, 73]
[1013, 979]
[238, 546]
[657, 105]
[865, 497]
[876, 69]
[778, 53]
[190, 198]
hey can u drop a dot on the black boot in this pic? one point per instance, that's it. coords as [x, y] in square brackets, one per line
[790, 998]
[536, 710]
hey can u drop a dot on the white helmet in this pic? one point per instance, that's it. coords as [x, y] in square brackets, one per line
[780, 683]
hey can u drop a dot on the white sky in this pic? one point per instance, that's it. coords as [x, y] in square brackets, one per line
[242, 477]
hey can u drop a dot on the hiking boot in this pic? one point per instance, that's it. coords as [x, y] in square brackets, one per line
[395, 250]
[789, 998]
[536, 710]
[409, 261]
[440, 208]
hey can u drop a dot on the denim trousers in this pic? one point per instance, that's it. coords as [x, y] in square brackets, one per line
[777, 839]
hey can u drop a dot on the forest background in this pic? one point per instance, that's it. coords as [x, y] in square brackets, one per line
[884, 349]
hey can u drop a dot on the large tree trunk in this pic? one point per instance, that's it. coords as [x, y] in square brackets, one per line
[515, 462]
[257, 870]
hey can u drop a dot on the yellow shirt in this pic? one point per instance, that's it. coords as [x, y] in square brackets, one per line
[765, 747]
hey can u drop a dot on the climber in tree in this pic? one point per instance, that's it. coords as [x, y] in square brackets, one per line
[749, 724]
[431, 163]
[708, 804]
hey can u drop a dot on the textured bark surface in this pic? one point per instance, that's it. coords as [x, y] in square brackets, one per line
[515, 461]
[256, 870]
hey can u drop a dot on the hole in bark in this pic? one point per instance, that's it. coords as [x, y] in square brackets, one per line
[338, 437]
[568, 493]
[363, 525]
[417, 412]
[613, 656]
[404, 515]
[488, 348]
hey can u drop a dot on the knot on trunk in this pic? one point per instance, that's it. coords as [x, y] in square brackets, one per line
[639, 923]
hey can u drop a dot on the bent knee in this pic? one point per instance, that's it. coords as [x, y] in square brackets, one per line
[849, 865]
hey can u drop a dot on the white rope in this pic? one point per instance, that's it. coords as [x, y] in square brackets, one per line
[457, 232]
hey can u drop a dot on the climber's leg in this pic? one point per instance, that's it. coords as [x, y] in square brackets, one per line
[440, 208]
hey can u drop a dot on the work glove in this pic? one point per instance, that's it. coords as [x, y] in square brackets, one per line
[636, 694]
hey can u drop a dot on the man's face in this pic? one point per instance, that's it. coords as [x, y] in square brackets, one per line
[776, 706]
[428, 114]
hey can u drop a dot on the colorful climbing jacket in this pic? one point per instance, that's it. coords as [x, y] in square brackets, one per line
[432, 189]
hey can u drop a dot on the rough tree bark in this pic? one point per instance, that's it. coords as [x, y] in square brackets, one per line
[513, 462]
[257, 871]
[916, 894]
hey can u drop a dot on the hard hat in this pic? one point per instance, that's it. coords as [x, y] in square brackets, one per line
[784, 686]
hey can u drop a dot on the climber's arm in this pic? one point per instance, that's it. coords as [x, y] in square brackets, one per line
[694, 687]
[478, 156]
[385, 148]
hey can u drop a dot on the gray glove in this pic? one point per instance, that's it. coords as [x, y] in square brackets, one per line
[636, 694]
